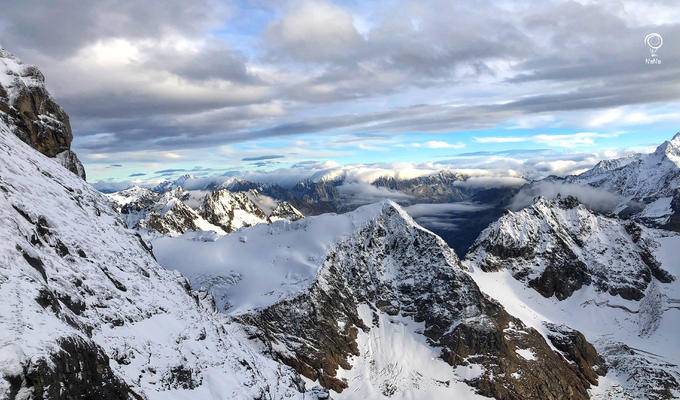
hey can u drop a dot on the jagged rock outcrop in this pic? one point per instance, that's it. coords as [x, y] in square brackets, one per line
[284, 211]
[603, 280]
[27, 108]
[231, 211]
[392, 267]
[576, 348]
[559, 246]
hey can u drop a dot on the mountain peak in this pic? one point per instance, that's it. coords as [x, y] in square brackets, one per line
[670, 150]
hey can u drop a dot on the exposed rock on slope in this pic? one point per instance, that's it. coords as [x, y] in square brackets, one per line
[231, 211]
[558, 246]
[29, 111]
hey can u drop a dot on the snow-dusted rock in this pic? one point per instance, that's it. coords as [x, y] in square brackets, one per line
[558, 266]
[176, 211]
[648, 183]
[28, 111]
[558, 246]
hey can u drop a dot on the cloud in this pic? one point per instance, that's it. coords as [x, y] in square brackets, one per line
[315, 31]
[487, 182]
[166, 77]
[358, 193]
[170, 171]
[554, 140]
[438, 144]
[593, 198]
[438, 209]
[137, 174]
[501, 139]
[262, 158]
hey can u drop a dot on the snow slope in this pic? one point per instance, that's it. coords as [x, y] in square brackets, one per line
[86, 306]
[260, 266]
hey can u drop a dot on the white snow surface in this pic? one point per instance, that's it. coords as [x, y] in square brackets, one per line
[143, 316]
[263, 264]
[395, 362]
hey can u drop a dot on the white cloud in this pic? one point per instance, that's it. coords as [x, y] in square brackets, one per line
[568, 140]
[501, 139]
[315, 30]
[596, 199]
[437, 144]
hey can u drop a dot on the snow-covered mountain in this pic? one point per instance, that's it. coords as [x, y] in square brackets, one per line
[176, 211]
[648, 183]
[28, 111]
[371, 305]
[557, 263]
[87, 311]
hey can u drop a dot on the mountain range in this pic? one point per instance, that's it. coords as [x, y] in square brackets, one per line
[228, 293]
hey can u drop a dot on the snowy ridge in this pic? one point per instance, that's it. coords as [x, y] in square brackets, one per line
[557, 246]
[648, 183]
[648, 175]
[75, 280]
[176, 211]
[16, 77]
[261, 265]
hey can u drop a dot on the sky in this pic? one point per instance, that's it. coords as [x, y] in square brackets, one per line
[283, 89]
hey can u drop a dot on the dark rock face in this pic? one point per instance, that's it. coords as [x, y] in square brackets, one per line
[561, 278]
[578, 350]
[40, 122]
[674, 220]
[398, 269]
[78, 370]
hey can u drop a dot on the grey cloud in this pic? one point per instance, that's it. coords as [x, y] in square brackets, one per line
[589, 58]
[438, 209]
[358, 193]
[262, 158]
[596, 199]
[136, 174]
[170, 171]
[61, 27]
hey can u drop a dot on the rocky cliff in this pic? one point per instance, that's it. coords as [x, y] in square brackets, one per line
[29, 111]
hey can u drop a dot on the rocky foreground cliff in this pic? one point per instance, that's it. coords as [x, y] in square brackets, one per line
[28, 111]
